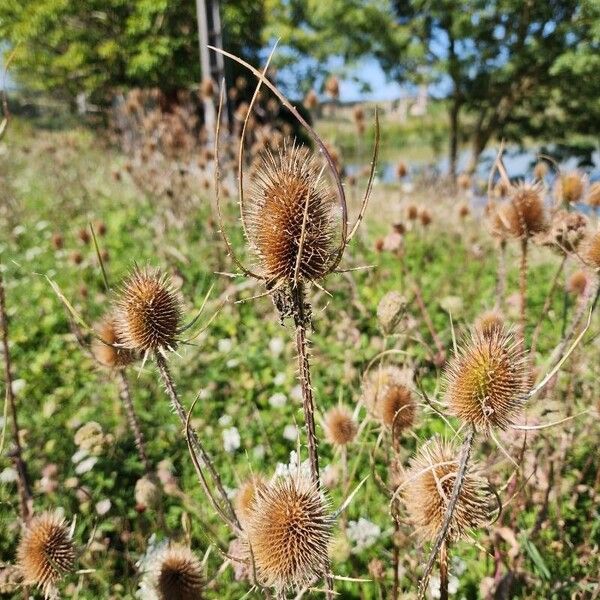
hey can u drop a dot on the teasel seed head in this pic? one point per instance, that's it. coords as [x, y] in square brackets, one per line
[390, 310]
[292, 216]
[340, 426]
[569, 187]
[244, 498]
[540, 170]
[578, 282]
[147, 493]
[524, 215]
[289, 532]
[591, 250]
[397, 408]
[148, 311]
[593, 197]
[46, 552]
[176, 574]
[106, 350]
[433, 467]
[490, 323]
[487, 380]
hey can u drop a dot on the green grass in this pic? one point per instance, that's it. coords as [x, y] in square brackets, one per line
[59, 183]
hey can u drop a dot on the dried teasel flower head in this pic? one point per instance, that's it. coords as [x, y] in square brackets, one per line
[340, 426]
[425, 217]
[578, 282]
[487, 380]
[524, 216]
[292, 217]
[489, 323]
[107, 350]
[593, 196]
[396, 408]
[567, 229]
[147, 493]
[311, 100]
[401, 169]
[463, 181]
[244, 498]
[412, 212]
[591, 250]
[390, 310]
[428, 484]
[175, 573]
[540, 170]
[332, 87]
[148, 311]
[289, 532]
[46, 552]
[569, 187]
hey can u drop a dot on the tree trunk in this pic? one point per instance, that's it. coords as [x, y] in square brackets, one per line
[453, 149]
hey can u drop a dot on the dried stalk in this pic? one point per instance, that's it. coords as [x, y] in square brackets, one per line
[229, 513]
[523, 289]
[16, 453]
[133, 421]
[444, 571]
[456, 489]
[441, 351]
[501, 276]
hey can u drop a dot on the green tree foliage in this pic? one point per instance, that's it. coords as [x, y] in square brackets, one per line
[495, 60]
[95, 46]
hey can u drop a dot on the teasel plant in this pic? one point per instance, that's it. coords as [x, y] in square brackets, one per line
[486, 386]
[296, 224]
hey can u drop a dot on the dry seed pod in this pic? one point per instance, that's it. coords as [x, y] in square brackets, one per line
[591, 250]
[292, 217]
[593, 197]
[390, 310]
[569, 187]
[565, 232]
[46, 552]
[486, 381]
[244, 498]
[106, 350]
[176, 574]
[332, 87]
[340, 426]
[401, 170]
[428, 488]
[490, 323]
[289, 532]
[540, 170]
[524, 215]
[578, 283]
[397, 408]
[148, 311]
[311, 100]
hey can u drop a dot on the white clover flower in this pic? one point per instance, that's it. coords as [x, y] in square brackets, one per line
[290, 432]
[276, 346]
[258, 451]
[363, 533]
[9, 475]
[103, 506]
[296, 393]
[225, 345]
[80, 455]
[18, 385]
[232, 363]
[231, 439]
[279, 379]
[225, 420]
[86, 465]
[278, 400]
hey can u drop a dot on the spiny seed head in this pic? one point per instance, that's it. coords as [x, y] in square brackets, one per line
[340, 426]
[379, 382]
[578, 282]
[565, 232]
[289, 532]
[489, 323]
[397, 407]
[569, 187]
[106, 350]
[148, 311]
[433, 471]
[591, 251]
[486, 381]
[524, 214]
[244, 498]
[292, 216]
[46, 552]
[593, 197]
[176, 574]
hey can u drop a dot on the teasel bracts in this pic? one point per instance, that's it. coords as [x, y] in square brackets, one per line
[107, 350]
[176, 574]
[486, 381]
[340, 426]
[428, 488]
[289, 531]
[46, 552]
[148, 311]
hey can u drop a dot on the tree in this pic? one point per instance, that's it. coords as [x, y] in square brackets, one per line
[497, 59]
[95, 46]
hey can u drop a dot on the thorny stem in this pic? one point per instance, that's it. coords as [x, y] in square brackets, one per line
[523, 289]
[444, 571]
[501, 276]
[301, 321]
[441, 355]
[456, 489]
[17, 452]
[199, 449]
[134, 424]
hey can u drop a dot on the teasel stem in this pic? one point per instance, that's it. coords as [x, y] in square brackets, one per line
[229, 516]
[301, 321]
[523, 288]
[132, 419]
[16, 454]
[501, 276]
[465, 454]
[444, 571]
[441, 351]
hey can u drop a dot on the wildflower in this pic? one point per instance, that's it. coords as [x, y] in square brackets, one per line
[363, 534]
[231, 439]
